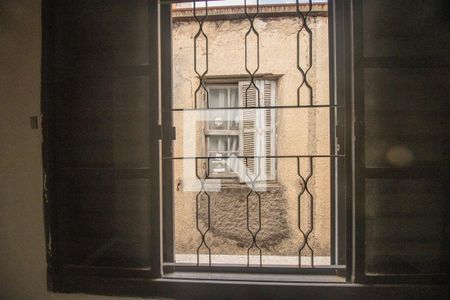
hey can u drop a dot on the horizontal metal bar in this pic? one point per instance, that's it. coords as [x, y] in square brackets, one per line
[233, 79]
[268, 156]
[228, 268]
[217, 176]
[257, 107]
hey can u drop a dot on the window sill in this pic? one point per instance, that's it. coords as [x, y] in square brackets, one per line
[277, 278]
[200, 288]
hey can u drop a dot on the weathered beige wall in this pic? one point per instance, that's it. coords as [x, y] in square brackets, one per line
[22, 245]
[300, 131]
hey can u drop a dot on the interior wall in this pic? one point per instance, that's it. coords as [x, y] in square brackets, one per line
[22, 241]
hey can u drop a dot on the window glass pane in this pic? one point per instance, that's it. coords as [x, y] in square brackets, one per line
[405, 226]
[100, 120]
[257, 133]
[233, 162]
[234, 143]
[223, 146]
[100, 34]
[404, 116]
[106, 219]
[218, 165]
[219, 119]
[218, 97]
[388, 31]
[234, 113]
[218, 143]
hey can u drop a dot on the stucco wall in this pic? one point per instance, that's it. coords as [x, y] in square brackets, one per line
[299, 131]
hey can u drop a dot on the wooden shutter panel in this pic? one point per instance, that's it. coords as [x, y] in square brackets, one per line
[258, 129]
[401, 152]
[99, 111]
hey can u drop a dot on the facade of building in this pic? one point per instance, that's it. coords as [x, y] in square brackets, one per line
[224, 133]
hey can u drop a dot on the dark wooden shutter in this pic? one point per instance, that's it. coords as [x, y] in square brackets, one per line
[100, 113]
[402, 156]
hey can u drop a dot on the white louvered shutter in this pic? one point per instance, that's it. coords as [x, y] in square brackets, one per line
[269, 139]
[258, 129]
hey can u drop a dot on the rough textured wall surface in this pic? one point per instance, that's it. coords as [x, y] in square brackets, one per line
[229, 218]
[299, 131]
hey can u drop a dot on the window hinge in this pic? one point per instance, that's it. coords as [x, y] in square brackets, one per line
[174, 133]
[159, 132]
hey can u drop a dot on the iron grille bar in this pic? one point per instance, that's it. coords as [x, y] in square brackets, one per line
[248, 157]
[305, 232]
[253, 233]
[252, 30]
[257, 107]
[304, 72]
[201, 75]
[198, 197]
[201, 86]
[253, 197]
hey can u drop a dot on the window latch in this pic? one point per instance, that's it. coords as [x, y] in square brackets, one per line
[169, 132]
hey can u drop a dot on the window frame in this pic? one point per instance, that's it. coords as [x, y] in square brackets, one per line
[59, 274]
[114, 281]
[235, 82]
[207, 132]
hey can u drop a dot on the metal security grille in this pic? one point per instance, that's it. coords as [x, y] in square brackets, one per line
[305, 162]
